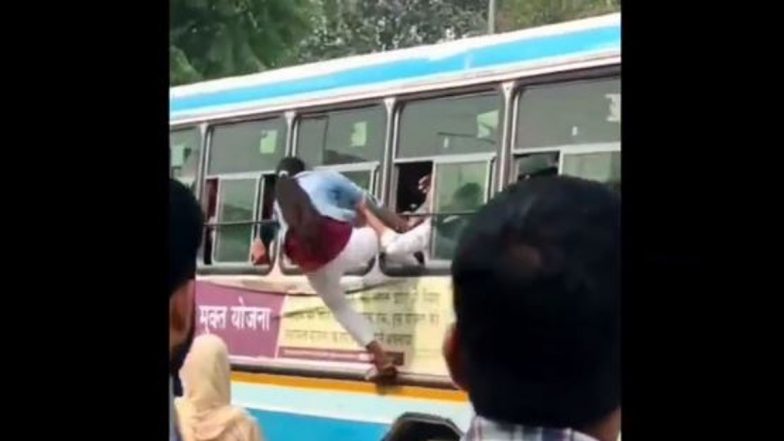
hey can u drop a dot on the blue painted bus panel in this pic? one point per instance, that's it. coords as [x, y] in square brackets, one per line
[281, 426]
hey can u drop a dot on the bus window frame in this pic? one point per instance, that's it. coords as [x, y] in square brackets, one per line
[245, 176]
[325, 111]
[199, 128]
[375, 178]
[564, 78]
[240, 268]
[440, 266]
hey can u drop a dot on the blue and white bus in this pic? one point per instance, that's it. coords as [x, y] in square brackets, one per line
[475, 114]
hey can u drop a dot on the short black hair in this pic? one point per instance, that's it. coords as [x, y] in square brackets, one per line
[186, 223]
[291, 165]
[536, 279]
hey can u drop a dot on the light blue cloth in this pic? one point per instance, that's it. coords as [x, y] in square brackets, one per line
[332, 194]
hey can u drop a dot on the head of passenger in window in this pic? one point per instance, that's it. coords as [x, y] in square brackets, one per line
[467, 197]
[536, 282]
[290, 166]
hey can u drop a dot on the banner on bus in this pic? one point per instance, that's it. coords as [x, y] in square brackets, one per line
[410, 317]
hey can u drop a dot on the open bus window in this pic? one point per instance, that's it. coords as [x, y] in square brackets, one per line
[413, 183]
[409, 196]
[184, 148]
[460, 190]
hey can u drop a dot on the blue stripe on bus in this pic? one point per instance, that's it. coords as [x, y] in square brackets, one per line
[281, 426]
[377, 408]
[529, 49]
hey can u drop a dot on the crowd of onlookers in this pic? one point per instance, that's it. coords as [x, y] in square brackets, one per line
[536, 340]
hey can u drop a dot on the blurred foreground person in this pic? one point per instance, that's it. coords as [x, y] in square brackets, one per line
[536, 342]
[205, 411]
[185, 231]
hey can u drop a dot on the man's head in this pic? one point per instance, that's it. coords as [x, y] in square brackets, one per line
[290, 165]
[185, 231]
[467, 197]
[536, 283]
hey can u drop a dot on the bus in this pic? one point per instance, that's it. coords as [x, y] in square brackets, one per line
[475, 115]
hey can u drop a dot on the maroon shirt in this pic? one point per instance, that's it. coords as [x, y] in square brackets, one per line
[333, 238]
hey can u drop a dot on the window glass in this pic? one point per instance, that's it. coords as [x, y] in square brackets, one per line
[236, 203]
[247, 146]
[567, 114]
[184, 148]
[450, 125]
[342, 137]
[459, 188]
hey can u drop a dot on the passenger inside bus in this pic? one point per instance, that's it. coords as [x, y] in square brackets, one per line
[464, 201]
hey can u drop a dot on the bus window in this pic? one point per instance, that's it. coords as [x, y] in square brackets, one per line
[342, 137]
[409, 196]
[242, 159]
[582, 113]
[453, 141]
[410, 201]
[450, 126]
[184, 148]
[578, 124]
[460, 190]
[247, 146]
[235, 215]
[350, 142]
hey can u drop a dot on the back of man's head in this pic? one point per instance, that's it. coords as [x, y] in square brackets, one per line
[185, 232]
[537, 297]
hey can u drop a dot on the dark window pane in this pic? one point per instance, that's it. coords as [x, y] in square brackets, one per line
[536, 164]
[236, 203]
[584, 112]
[247, 146]
[448, 126]
[459, 188]
[184, 148]
[342, 137]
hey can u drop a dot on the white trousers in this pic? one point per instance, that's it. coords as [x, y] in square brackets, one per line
[361, 247]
